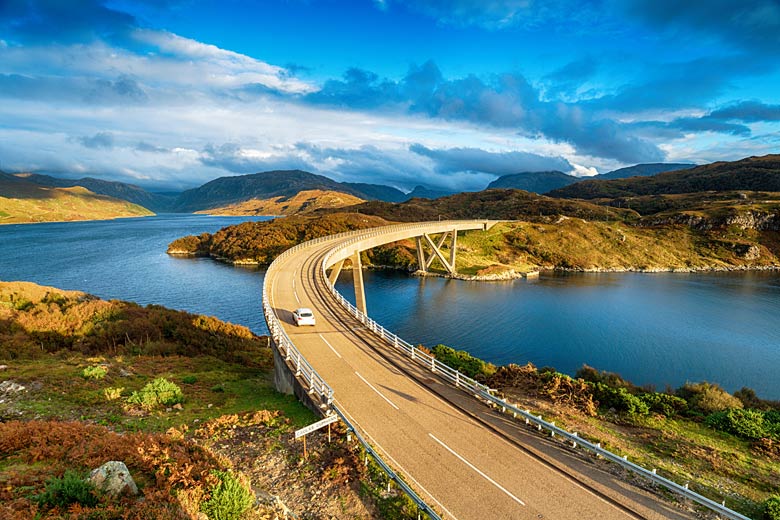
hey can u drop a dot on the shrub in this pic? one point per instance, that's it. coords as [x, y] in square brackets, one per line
[772, 508]
[189, 380]
[112, 394]
[748, 424]
[463, 362]
[772, 422]
[668, 405]
[708, 397]
[230, 498]
[69, 489]
[620, 399]
[95, 372]
[158, 392]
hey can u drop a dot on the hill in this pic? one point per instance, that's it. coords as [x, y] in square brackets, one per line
[302, 202]
[377, 191]
[536, 182]
[259, 243]
[264, 185]
[641, 170]
[421, 192]
[23, 201]
[752, 174]
[118, 190]
[490, 204]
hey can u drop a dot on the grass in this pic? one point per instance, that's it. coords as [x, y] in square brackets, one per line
[57, 390]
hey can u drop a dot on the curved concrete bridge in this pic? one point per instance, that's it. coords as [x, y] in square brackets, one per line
[463, 458]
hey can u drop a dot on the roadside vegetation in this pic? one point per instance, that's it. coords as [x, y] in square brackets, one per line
[727, 446]
[185, 401]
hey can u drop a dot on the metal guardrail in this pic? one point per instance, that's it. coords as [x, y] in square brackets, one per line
[317, 385]
[478, 389]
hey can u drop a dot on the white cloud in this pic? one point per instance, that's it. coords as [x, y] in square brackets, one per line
[583, 171]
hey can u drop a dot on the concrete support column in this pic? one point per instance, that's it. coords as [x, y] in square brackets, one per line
[335, 271]
[436, 251]
[442, 238]
[453, 246]
[357, 278]
[421, 256]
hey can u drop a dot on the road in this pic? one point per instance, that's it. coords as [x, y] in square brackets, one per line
[463, 459]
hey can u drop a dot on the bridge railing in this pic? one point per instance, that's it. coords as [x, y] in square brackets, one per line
[481, 391]
[317, 385]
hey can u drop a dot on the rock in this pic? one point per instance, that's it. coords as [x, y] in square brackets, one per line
[10, 387]
[178, 406]
[114, 478]
[3, 367]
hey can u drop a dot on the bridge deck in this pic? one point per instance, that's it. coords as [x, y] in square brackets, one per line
[463, 459]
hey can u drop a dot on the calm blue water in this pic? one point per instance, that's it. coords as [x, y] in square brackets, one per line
[125, 259]
[652, 328]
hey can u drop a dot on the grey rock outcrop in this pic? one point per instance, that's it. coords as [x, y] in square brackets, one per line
[114, 478]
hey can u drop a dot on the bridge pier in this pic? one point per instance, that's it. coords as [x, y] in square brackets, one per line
[335, 272]
[357, 279]
[424, 264]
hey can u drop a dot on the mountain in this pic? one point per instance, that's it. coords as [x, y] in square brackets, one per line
[421, 192]
[751, 174]
[25, 201]
[117, 190]
[377, 191]
[642, 170]
[491, 204]
[304, 201]
[535, 182]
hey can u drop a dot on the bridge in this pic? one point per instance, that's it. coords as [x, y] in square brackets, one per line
[462, 452]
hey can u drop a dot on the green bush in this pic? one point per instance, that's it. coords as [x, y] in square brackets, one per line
[69, 489]
[748, 424]
[230, 498]
[708, 397]
[668, 405]
[772, 422]
[620, 399]
[189, 380]
[159, 392]
[463, 362]
[96, 372]
[772, 508]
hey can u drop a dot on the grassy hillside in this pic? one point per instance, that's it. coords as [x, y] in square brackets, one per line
[305, 201]
[261, 242]
[117, 190]
[177, 397]
[495, 204]
[752, 174]
[22, 202]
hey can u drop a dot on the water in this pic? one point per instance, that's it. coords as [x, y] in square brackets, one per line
[125, 259]
[661, 329]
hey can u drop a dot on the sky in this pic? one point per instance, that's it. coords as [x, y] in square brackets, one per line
[169, 94]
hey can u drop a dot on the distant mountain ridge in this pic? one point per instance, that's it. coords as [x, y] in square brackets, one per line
[535, 182]
[752, 174]
[115, 189]
[641, 170]
[23, 201]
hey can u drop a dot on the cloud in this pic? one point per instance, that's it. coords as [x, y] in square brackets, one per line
[476, 160]
[48, 21]
[504, 101]
[747, 111]
[237, 159]
[101, 140]
[143, 146]
[752, 25]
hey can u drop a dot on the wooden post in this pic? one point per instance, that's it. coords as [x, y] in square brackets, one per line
[305, 455]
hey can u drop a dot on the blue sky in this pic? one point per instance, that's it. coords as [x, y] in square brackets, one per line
[449, 94]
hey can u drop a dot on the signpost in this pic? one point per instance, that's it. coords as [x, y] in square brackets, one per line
[327, 421]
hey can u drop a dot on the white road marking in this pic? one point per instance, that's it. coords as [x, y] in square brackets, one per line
[472, 466]
[295, 291]
[391, 403]
[331, 346]
[378, 446]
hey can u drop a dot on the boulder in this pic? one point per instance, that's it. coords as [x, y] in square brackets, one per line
[113, 478]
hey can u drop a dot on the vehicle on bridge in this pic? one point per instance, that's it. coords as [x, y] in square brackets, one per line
[303, 316]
